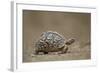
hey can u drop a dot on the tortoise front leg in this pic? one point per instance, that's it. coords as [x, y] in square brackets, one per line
[36, 52]
[65, 49]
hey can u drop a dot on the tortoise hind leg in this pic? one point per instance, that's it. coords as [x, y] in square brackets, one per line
[45, 52]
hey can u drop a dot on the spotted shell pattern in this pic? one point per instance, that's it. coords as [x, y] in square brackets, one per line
[50, 41]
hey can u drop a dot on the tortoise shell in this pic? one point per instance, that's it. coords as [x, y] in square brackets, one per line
[50, 41]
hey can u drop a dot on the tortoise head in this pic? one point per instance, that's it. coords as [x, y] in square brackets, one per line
[70, 41]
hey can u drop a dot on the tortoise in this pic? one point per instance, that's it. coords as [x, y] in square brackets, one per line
[51, 41]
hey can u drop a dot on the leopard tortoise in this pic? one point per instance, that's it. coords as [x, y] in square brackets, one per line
[51, 41]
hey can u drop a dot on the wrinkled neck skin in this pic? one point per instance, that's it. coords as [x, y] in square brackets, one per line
[70, 41]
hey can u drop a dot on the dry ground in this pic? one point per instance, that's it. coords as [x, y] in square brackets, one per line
[69, 24]
[75, 52]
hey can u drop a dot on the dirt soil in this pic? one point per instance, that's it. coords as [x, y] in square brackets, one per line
[69, 24]
[74, 53]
